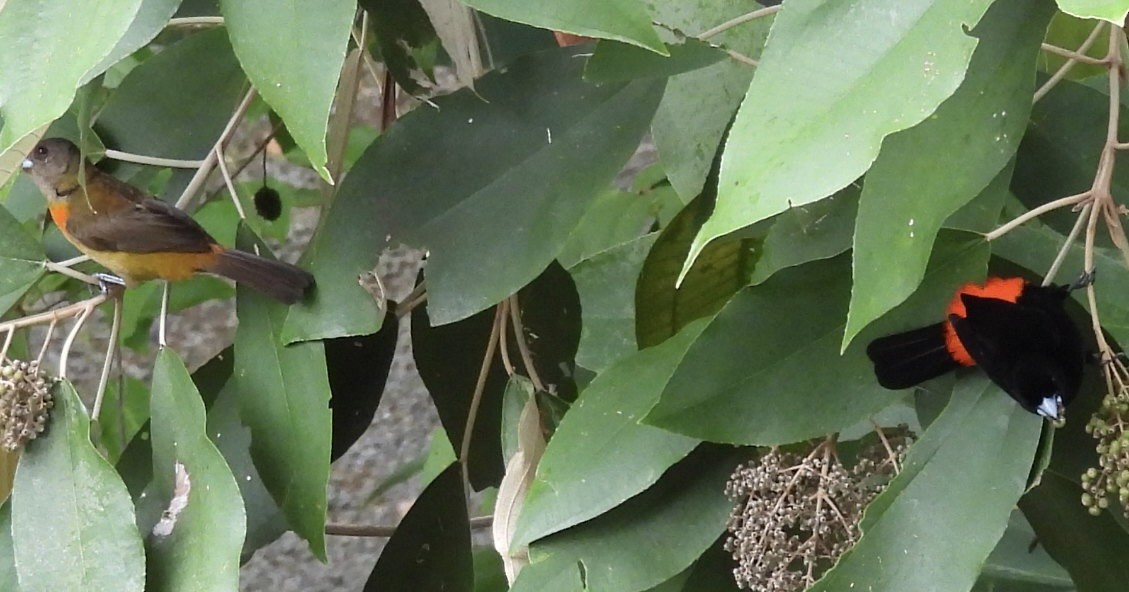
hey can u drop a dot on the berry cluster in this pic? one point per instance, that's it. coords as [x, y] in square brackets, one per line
[1110, 427]
[25, 400]
[796, 513]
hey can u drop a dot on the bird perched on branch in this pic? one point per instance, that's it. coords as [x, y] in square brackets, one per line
[139, 237]
[1018, 332]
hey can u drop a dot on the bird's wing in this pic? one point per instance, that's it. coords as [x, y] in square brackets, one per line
[141, 225]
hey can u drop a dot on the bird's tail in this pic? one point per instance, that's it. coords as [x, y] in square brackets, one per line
[281, 281]
[907, 359]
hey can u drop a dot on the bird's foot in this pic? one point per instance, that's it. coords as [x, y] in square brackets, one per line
[109, 283]
[1084, 280]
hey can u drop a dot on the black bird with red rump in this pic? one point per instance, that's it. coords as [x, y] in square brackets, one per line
[1018, 332]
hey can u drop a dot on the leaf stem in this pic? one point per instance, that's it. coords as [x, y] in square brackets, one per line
[744, 18]
[1061, 202]
[1069, 65]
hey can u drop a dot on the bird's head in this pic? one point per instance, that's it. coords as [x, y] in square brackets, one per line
[53, 165]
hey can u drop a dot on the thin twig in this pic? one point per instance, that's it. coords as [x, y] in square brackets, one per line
[153, 160]
[744, 18]
[1062, 202]
[476, 398]
[196, 21]
[115, 327]
[1068, 66]
[205, 169]
[67, 271]
[230, 184]
[163, 320]
[522, 345]
[381, 531]
[504, 346]
[46, 341]
[1073, 55]
[1065, 249]
[66, 352]
[66, 312]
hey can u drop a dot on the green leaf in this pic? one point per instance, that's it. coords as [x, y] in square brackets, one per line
[293, 61]
[49, 49]
[151, 18]
[925, 173]
[748, 378]
[430, 551]
[698, 106]
[1070, 31]
[1110, 10]
[1014, 565]
[791, 144]
[550, 576]
[1091, 548]
[72, 518]
[935, 524]
[809, 233]
[186, 550]
[581, 474]
[265, 521]
[621, 20]
[176, 103]
[283, 394]
[21, 261]
[631, 547]
[534, 147]
[616, 62]
[1057, 156]
[8, 577]
[606, 285]
[661, 308]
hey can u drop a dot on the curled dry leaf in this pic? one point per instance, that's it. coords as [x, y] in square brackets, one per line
[515, 483]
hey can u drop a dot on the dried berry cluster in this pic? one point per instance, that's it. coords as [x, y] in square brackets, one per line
[25, 400]
[796, 513]
[1110, 427]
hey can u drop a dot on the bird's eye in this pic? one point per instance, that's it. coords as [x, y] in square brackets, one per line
[41, 151]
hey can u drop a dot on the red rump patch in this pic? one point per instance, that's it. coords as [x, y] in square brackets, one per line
[1007, 290]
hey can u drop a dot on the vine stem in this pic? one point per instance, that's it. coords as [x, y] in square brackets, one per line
[1062, 202]
[744, 18]
[479, 387]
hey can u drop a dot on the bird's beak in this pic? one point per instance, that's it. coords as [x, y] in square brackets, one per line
[1051, 408]
[27, 164]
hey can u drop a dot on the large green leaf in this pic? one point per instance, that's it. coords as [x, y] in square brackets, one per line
[535, 145]
[748, 378]
[698, 105]
[622, 20]
[662, 307]
[794, 143]
[925, 173]
[72, 518]
[358, 369]
[151, 18]
[802, 234]
[933, 527]
[1060, 151]
[186, 551]
[606, 285]
[283, 394]
[430, 551]
[21, 260]
[614, 62]
[8, 577]
[581, 473]
[648, 539]
[49, 48]
[294, 60]
[1092, 549]
[176, 103]
[1111, 10]
[1014, 566]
